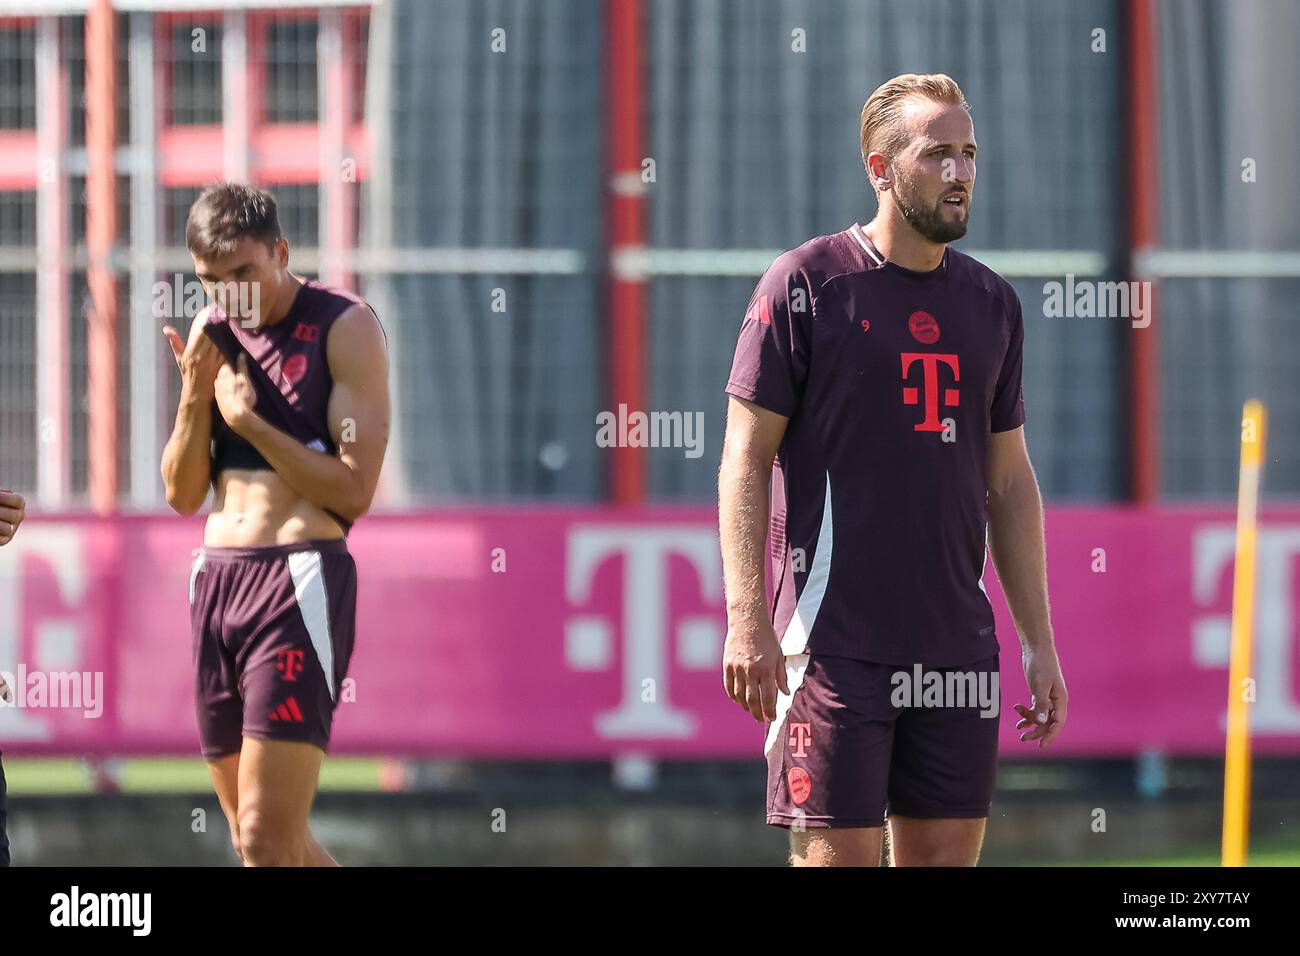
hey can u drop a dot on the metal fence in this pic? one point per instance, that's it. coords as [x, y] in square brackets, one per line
[447, 159]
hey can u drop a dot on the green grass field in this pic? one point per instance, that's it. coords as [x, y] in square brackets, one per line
[38, 775]
[1261, 855]
[32, 776]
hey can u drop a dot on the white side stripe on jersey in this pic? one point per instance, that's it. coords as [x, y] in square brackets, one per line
[795, 639]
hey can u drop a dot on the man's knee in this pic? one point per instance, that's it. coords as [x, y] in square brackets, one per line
[856, 846]
[921, 842]
[934, 856]
[260, 842]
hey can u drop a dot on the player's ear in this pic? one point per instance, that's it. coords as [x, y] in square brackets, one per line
[879, 170]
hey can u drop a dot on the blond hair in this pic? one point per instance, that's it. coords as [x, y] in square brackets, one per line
[882, 114]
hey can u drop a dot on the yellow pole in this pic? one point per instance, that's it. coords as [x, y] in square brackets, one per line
[1236, 764]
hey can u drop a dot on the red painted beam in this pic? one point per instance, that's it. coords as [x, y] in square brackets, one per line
[189, 155]
[21, 159]
[282, 153]
[625, 230]
[101, 233]
[338, 188]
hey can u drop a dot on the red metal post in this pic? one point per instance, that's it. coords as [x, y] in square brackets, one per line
[52, 294]
[338, 185]
[22, 153]
[625, 233]
[1144, 235]
[101, 233]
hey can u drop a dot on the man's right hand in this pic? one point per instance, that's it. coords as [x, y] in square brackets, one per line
[753, 669]
[12, 511]
[199, 360]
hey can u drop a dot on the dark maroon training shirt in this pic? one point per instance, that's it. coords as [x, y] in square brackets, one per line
[290, 371]
[892, 381]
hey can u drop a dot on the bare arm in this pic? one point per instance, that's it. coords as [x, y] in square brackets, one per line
[1015, 512]
[1015, 515]
[749, 448]
[753, 666]
[186, 459]
[12, 511]
[358, 420]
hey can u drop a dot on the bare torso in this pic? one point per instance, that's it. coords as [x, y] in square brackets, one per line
[257, 508]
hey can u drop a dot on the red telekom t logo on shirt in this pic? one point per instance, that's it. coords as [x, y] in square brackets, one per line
[848, 332]
[930, 362]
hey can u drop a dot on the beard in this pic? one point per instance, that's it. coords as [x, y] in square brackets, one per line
[930, 221]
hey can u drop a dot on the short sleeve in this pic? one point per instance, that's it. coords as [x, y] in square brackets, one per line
[771, 361]
[1008, 409]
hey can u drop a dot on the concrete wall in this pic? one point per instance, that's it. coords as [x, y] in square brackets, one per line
[418, 830]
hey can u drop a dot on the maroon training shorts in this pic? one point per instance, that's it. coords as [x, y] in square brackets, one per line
[273, 631]
[853, 743]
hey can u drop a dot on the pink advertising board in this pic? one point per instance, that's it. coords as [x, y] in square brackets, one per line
[574, 632]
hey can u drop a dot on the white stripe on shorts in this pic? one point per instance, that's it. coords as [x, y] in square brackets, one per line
[194, 572]
[314, 605]
[795, 665]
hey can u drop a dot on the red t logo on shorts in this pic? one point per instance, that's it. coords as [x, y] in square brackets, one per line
[800, 738]
[289, 663]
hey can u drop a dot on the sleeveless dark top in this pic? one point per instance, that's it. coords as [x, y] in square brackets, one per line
[288, 365]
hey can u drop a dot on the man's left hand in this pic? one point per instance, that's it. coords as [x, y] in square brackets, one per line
[1045, 717]
[236, 397]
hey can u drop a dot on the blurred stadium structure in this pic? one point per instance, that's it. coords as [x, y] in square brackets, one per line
[559, 207]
